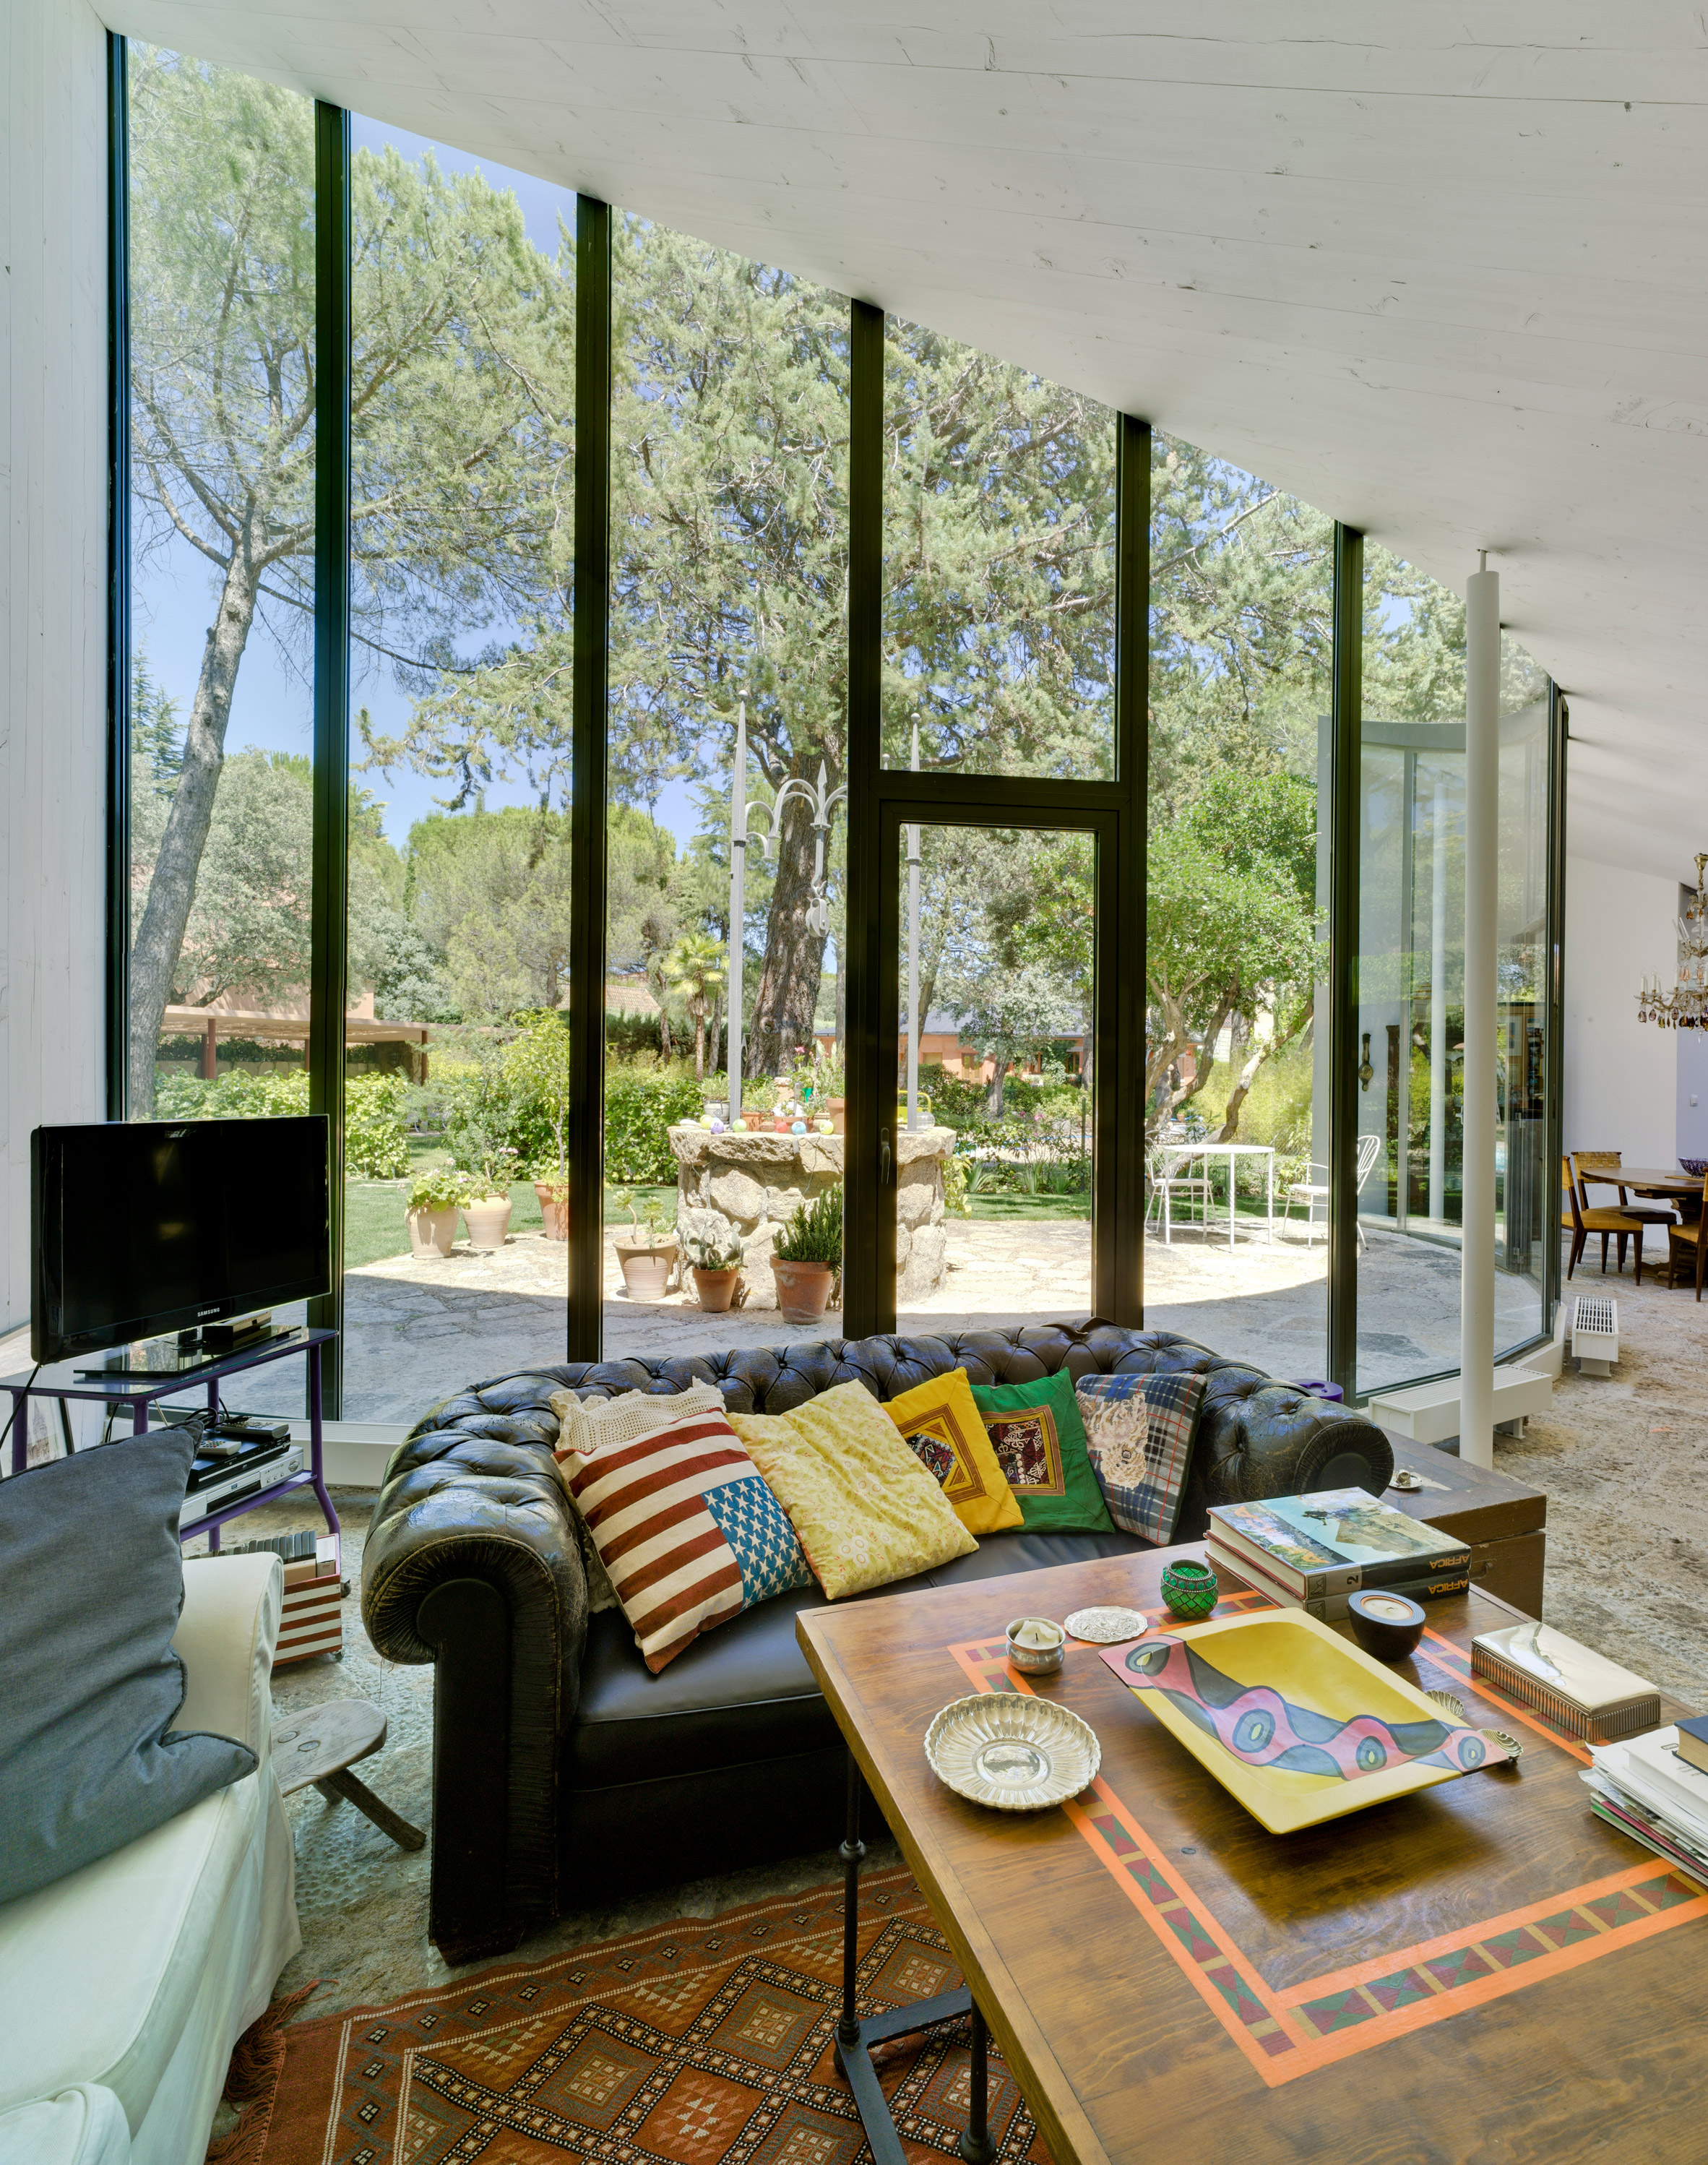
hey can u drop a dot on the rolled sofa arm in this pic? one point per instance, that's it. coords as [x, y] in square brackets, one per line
[472, 1563]
[227, 1631]
[1259, 1438]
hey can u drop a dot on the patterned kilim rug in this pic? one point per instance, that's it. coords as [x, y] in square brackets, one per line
[701, 2041]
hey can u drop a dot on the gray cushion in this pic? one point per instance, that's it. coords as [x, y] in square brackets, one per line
[92, 1585]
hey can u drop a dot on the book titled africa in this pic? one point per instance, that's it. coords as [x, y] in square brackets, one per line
[1338, 1541]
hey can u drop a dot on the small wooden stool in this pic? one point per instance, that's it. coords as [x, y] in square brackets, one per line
[325, 1743]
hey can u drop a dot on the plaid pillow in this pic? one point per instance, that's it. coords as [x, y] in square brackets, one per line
[1138, 1437]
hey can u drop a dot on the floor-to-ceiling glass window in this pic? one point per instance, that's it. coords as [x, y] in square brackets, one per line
[1235, 1232]
[727, 824]
[1409, 1027]
[222, 287]
[462, 492]
[999, 623]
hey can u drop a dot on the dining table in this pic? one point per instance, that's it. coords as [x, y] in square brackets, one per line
[1645, 1179]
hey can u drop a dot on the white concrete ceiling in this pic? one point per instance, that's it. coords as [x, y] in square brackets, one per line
[1441, 271]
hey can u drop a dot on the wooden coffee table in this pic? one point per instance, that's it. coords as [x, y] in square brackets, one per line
[1483, 1970]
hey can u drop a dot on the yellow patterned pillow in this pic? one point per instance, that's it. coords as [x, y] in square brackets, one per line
[945, 1431]
[864, 1509]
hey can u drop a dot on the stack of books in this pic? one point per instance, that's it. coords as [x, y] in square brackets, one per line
[1311, 1552]
[1654, 1787]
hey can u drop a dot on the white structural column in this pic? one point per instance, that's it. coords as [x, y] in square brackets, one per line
[1482, 832]
[738, 905]
[1438, 1008]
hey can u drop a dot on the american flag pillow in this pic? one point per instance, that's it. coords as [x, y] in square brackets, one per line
[685, 1526]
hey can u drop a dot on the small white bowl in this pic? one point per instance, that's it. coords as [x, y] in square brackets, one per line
[1036, 1660]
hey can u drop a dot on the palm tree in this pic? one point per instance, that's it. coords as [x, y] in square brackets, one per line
[694, 971]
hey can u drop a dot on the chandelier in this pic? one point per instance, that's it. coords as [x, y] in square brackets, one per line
[1686, 1006]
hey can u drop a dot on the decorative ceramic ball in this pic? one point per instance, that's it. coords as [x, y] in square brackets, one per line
[738, 1127]
[826, 1127]
[716, 1126]
[1388, 1625]
[797, 1127]
[1190, 1589]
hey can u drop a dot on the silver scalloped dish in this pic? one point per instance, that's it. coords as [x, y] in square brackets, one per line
[1012, 1751]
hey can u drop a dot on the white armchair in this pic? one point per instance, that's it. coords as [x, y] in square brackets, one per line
[124, 1986]
[1168, 1168]
[1312, 1191]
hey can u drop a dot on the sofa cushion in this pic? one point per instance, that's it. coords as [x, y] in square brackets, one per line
[689, 1533]
[1139, 1434]
[94, 1582]
[746, 1694]
[944, 1431]
[867, 1511]
[1039, 1440]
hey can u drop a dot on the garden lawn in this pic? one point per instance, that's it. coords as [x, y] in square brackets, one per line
[1014, 1209]
[374, 1219]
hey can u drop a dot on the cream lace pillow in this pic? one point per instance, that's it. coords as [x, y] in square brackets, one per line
[584, 1423]
[864, 1509]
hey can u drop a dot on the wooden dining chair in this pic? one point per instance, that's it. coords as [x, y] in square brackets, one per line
[1599, 1164]
[1619, 1224]
[1690, 1239]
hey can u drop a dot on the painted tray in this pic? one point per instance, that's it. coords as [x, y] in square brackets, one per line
[1297, 1724]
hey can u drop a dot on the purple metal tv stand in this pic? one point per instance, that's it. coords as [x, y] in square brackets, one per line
[63, 1381]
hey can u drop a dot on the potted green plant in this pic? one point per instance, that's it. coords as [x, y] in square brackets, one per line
[553, 1189]
[806, 1260]
[431, 1212]
[486, 1204]
[648, 1258]
[717, 1268]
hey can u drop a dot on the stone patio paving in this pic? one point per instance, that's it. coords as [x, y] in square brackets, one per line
[417, 1331]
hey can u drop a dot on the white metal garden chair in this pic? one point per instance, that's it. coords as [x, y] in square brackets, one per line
[1167, 1181]
[1312, 1192]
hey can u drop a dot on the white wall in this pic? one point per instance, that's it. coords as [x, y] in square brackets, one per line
[53, 513]
[1620, 1075]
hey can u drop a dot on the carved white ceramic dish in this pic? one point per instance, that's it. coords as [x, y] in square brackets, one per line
[1012, 1751]
[1107, 1627]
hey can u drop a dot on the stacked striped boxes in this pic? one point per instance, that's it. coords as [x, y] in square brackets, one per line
[312, 1622]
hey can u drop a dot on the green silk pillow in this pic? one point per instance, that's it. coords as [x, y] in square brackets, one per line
[1039, 1440]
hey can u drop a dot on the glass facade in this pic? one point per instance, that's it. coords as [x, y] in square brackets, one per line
[1236, 1233]
[977, 785]
[221, 484]
[999, 566]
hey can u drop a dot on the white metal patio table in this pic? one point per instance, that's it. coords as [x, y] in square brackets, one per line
[1176, 1155]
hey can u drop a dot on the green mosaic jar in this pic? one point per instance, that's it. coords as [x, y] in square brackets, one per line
[1190, 1589]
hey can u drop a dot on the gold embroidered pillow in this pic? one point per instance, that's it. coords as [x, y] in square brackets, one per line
[942, 1427]
[865, 1509]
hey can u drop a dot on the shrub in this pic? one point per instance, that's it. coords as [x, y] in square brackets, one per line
[442, 1187]
[814, 1234]
[641, 1105]
[376, 1127]
[236, 1096]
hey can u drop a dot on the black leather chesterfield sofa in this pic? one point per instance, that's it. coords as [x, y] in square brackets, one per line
[563, 1771]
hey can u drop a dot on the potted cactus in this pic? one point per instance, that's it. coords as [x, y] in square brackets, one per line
[431, 1211]
[647, 1258]
[806, 1260]
[716, 1267]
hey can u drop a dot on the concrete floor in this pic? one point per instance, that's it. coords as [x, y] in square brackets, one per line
[1622, 1461]
[416, 1331]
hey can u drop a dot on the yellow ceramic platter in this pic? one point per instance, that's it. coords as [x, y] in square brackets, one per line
[1337, 1700]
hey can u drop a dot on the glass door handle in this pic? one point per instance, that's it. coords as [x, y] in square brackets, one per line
[886, 1162]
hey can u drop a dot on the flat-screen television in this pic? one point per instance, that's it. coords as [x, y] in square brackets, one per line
[146, 1226]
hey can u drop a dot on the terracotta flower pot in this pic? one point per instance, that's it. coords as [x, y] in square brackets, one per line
[646, 1272]
[431, 1232]
[803, 1289]
[488, 1222]
[553, 1209]
[717, 1288]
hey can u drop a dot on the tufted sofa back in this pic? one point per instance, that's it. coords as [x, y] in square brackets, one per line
[1256, 1436]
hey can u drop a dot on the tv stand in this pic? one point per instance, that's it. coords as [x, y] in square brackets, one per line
[137, 1390]
[170, 1357]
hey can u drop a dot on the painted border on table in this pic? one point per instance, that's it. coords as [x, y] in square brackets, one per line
[1289, 2032]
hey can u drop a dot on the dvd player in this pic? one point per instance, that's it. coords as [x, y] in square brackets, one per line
[214, 1483]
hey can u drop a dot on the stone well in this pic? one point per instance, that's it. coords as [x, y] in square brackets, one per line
[751, 1185]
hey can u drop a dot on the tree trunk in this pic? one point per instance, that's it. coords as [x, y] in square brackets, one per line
[699, 1044]
[159, 937]
[788, 986]
[1278, 1042]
